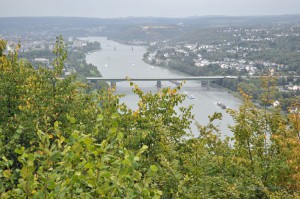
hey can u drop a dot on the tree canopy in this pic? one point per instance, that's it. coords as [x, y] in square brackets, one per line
[57, 141]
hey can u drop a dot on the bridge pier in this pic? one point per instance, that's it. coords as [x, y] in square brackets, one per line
[113, 85]
[205, 84]
[158, 84]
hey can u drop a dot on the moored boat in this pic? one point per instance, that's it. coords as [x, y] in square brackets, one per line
[190, 96]
[220, 104]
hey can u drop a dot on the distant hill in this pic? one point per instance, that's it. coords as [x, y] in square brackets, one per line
[129, 28]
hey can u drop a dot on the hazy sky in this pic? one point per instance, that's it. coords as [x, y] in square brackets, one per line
[157, 8]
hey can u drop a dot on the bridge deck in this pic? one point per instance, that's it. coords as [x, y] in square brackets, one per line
[206, 78]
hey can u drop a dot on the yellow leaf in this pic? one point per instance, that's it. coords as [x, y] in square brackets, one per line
[7, 174]
[20, 107]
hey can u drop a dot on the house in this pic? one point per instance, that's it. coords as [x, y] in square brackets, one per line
[294, 88]
[276, 103]
[42, 60]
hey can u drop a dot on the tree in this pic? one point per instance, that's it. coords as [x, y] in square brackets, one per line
[60, 143]
[56, 141]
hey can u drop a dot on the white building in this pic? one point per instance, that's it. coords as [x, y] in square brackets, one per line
[276, 103]
[42, 60]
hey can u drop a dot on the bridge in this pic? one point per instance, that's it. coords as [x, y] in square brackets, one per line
[114, 81]
[207, 79]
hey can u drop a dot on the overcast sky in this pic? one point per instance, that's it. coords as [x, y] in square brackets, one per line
[156, 8]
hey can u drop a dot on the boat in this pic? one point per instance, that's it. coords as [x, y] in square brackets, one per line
[190, 96]
[175, 82]
[220, 104]
[152, 67]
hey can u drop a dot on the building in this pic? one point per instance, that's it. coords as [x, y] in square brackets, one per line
[42, 60]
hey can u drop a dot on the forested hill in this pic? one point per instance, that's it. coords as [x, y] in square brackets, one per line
[76, 26]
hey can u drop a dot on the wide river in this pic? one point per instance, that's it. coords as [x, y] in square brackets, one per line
[116, 60]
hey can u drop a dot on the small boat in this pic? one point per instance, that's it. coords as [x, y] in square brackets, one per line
[152, 67]
[190, 96]
[105, 65]
[220, 104]
[175, 82]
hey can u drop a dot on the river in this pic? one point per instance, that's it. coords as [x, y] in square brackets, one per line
[116, 60]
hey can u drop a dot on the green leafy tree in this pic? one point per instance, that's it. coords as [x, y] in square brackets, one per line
[56, 141]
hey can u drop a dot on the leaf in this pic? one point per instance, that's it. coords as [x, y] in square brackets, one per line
[20, 130]
[7, 174]
[115, 124]
[27, 171]
[115, 116]
[19, 151]
[143, 149]
[120, 136]
[123, 171]
[88, 141]
[38, 195]
[55, 124]
[72, 120]
[99, 117]
[105, 174]
[51, 184]
[89, 166]
[4, 158]
[153, 168]
[137, 175]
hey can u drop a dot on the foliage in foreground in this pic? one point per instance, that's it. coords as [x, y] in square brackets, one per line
[58, 142]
